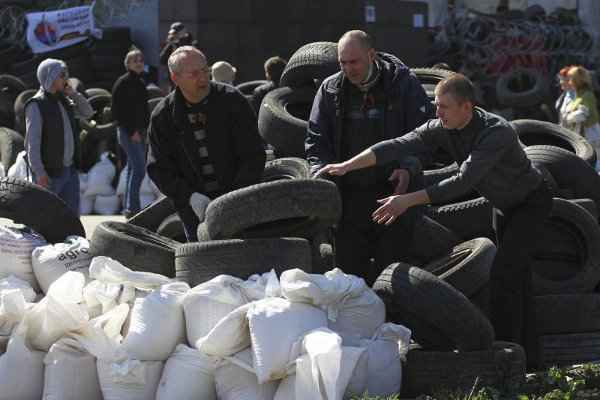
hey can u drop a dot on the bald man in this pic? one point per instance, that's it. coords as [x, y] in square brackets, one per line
[203, 139]
[374, 97]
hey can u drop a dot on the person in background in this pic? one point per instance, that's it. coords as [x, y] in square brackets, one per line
[130, 111]
[566, 96]
[224, 72]
[177, 36]
[582, 112]
[52, 132]
[373, 97]
[203, 140]
[492, 162]
[274, 67]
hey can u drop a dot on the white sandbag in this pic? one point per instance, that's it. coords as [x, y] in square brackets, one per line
[83, 182]
[353, 309]
[206, 304]
[16, 246]
[275, 325]
[2, 171]
[107, 204]
[19, 169]
[100, 177]
[233, 382]
[107, 270]
[21, 372]
[101, 297]
[14, 283]
[86, 204]
[231, 334]
[157, 324]
[129, 379]
[187, 375]
[386, 351]
[52, 261]
[55, 315]
[12, 310]
[70, 373]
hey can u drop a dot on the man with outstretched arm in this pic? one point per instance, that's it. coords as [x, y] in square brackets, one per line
[493, 163]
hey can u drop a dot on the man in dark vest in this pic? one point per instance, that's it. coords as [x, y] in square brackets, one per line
[52, 137]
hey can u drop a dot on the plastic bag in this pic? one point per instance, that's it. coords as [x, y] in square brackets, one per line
[16, 246]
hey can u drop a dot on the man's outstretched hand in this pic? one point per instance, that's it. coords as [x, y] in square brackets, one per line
[332, 169]
[391, 208]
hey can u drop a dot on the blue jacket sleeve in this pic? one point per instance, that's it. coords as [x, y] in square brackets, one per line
[320, 137]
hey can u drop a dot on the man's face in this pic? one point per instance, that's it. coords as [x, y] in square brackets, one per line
[194, 77]
[60, 82]
[454, 115]
[136, 64]
[355, 61]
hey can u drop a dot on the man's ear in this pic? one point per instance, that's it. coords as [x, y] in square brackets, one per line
[371, 53]
[173, 77]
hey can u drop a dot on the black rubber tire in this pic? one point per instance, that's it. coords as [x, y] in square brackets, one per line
[41, 210]
[286, 168]
[282, 130]
[152, 216]
[10, 88]
[248, 87]
[467, 266]
[567, 313]
[429, 78]
[152, 103]
[426, 372]
[11, 144]
[136, 248]
[431, 240]
[569, 259]
[589, 205]
[98, 103]
[312, 61]
[172, 228]
[467, 219]
[532, 132]
[154, 92]
[576, 179]
[196, 263]
[95, 91]
[534, 94]
[439, 316]
[20, 109]
[568, 349]
[273, 208]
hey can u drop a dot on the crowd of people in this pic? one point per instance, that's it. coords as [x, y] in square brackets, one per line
[370, 126]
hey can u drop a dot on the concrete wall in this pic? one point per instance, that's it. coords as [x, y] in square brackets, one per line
[246, 32]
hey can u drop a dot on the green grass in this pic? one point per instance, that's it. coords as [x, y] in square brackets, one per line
[573, 383]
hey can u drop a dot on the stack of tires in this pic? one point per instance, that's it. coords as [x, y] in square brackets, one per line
[284, 112]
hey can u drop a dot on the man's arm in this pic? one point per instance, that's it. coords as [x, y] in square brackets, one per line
[162, 165]
[33, 124]
[319, 142]
[247, 144]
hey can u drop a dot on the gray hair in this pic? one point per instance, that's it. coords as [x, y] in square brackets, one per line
[176, 58]
[131, 55]
[356, 36]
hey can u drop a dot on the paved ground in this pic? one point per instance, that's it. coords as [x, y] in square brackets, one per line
[90, 221]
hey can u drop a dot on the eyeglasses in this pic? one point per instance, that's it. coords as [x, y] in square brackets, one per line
[196, 73]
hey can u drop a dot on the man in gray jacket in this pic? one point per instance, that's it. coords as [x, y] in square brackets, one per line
[493, 163]
[52, 135]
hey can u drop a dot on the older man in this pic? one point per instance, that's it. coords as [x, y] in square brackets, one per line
[203, 139]
[491, 162]
[373, 97]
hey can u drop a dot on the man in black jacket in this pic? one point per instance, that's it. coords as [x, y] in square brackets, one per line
[177, 36]
[492, 162]
[373, 97]
[203, 139]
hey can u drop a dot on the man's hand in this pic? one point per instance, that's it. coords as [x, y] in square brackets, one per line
[391, 208]
[43, 181]
[402, 176]
[136, 137]
[332, 169]
[69, 91]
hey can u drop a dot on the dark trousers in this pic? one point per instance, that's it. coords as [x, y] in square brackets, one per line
[518, 233]
[358, 239]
